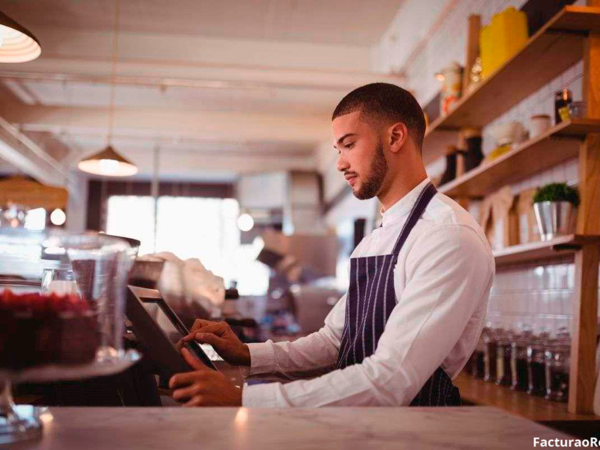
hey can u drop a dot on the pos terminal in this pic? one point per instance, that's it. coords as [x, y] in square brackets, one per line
[160, 332]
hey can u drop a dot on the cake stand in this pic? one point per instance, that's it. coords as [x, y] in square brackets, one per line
[23, 422]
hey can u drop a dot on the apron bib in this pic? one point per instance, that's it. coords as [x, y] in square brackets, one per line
[370, 301]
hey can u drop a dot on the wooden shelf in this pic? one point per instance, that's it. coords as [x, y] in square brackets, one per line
[563, 245]
[557, 145]
[552, 50]
[538, 409]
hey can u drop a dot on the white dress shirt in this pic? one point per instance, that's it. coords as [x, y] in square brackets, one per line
[442, 281]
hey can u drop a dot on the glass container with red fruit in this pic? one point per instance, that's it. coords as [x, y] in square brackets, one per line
[51, 334]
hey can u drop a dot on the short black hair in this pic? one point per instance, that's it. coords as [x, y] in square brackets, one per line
[387, 102]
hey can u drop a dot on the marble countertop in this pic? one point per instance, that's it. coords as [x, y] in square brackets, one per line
[294, 429]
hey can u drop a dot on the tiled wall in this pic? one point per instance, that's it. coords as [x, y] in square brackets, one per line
[536, 294]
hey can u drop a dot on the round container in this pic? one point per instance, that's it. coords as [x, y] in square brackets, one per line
[518, 365]
[539, 125]
[451, 78]
[536, 369]
[476, 362]
[55, 337]
[578, 110]
[555, 219]
[490, 345]
[503, 361]
[508, 133]
[558, 361]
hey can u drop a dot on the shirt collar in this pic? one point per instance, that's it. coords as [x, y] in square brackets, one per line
[404, 205]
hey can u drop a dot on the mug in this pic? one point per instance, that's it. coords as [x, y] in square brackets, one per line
[539, 125]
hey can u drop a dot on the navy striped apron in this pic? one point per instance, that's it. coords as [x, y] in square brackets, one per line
[370, 301]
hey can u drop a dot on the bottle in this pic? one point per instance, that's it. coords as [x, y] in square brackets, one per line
[450, 172]
[474, 155]
[562, 105]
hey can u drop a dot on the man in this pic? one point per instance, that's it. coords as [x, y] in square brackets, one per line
[418, 293]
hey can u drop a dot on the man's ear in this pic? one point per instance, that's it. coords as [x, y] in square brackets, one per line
[398, 135]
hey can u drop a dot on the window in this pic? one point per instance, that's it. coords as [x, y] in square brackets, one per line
[132, 216]
[190, 227]
[35, 219]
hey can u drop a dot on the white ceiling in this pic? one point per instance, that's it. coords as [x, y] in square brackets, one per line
[87, 94]
[223, 87]
[346, 22]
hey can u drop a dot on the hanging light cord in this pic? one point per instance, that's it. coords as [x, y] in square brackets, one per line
[113, 72]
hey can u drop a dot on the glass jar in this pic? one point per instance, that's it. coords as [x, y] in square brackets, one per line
[518, 364]
[489, 355]
[477, 365]
[536, 369]
[578, 110]
[503, 358]
[558, 362]
[59, 280]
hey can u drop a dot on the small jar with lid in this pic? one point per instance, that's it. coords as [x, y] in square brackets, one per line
[477, 366]
[489, 354]
[518, 363]
[558, 363]
[536, 368]
[503, 360]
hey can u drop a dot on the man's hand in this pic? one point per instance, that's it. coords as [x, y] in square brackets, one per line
[223, 339]
[204, 386]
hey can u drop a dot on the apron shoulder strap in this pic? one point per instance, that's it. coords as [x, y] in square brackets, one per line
[417, 211]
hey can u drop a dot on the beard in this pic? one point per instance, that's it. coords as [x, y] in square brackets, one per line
[371, 185]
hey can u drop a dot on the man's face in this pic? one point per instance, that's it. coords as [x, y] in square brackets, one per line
[360, 155]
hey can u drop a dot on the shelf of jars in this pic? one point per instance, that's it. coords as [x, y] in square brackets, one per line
[565, 40]
[548, 53]
[522, 373]
[558, 144]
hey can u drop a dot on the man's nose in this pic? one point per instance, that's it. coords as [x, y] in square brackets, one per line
[342, 165]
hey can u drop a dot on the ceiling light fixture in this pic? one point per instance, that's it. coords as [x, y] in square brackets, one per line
[109, 162]
[17, 43]
[245, 222]
[58, 217]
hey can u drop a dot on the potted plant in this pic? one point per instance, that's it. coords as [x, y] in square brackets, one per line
[555, 207]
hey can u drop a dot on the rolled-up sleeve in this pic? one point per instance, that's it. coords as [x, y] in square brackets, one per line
[449, 275]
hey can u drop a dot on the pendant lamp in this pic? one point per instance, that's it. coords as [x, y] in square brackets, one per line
[17, 43]
[109, 162]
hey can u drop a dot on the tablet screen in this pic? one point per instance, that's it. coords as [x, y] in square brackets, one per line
[155, 310]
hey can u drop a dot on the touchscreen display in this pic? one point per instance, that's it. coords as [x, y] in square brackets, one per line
[172, 332]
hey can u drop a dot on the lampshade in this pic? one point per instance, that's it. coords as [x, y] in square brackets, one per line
[17, 43]
[108, 163]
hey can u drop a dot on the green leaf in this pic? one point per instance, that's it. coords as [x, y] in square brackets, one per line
[557, 192]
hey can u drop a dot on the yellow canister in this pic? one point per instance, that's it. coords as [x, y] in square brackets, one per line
[486, 51]
[506, 34]
[509, 34]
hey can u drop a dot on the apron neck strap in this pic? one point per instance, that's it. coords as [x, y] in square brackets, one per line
[417, 211]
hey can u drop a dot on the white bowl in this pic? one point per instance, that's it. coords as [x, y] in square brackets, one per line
[508, 133]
